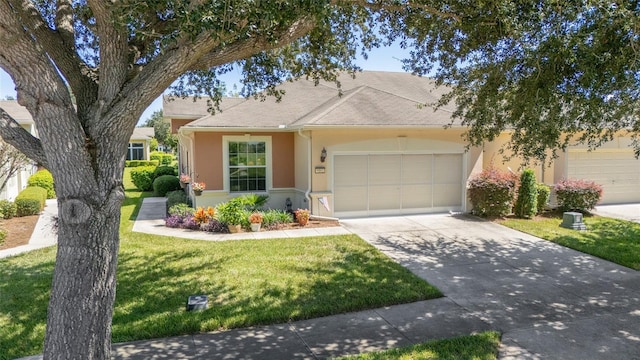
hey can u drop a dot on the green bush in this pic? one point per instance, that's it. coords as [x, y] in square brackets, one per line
[142, 177]
[580, 195]
[7, 209]
[156, 155]
[30, 201]
[167, 159]
[273, 218]
[164, 170]
[176, 197]
[136, 163]
[252, 202]
[230, 213]
[543, 197]
[181, 210]
[527, 201]
[165, 183]
[3, 235]
[492, 192]
[43, 179]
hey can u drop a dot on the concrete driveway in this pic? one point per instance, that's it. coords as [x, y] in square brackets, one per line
[630, 212]
[548, 301]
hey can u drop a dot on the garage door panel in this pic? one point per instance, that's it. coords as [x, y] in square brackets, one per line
[352, 169]
[447, 195]
[383, 197]
[350, 198]
[417, 169]
[416, 196]
[447, 168]
[385, 169]
[617, 171]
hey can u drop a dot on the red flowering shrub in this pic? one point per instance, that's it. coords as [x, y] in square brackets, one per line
[581, 195]
[492, 192]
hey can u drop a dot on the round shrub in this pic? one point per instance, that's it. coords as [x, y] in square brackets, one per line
[527, 201]
[543, 197]
[165, 183]
[164, 170]
[177, 197]
[142, 177]
[580, 195]
[167, 159]
[43, 179]
[7, 209]
[492, 192]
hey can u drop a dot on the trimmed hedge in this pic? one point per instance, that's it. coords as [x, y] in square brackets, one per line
[7, 209]
[164, 170]
[167, 159]
[136, 163]
[492, 192]
[43, 179]
[165, 183]
[580, 195]
[142, 177]
[543, 197]
[30, 201]
[527, 201]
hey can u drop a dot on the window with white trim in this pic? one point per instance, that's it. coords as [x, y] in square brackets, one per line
[135, 151]
[246, 164]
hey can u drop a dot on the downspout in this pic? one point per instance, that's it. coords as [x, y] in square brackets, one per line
[306, 193]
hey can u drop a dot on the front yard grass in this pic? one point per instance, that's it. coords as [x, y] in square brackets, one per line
[611, 239]
[483, 346]
[248, 282]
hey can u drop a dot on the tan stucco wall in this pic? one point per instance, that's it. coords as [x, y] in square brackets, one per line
[208, 160]
[544, 173]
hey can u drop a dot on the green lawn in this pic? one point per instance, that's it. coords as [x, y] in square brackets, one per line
[249, 282]
[610, 239]
[483, 346]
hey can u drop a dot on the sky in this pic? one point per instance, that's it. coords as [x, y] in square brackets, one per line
[381, 59]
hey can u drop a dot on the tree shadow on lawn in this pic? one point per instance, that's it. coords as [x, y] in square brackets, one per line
[151, 298]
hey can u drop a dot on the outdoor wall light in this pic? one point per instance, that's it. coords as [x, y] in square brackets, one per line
[323, 155]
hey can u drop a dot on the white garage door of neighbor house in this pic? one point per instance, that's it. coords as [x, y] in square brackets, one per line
[617, 171]
[365, 185]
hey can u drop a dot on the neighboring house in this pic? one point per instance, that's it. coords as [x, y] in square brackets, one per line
[372, 151]
[139, 143]
[19, 181]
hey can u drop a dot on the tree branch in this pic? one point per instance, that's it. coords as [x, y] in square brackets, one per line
[15, 135]
[60, 46]
[114, 51]
[394, 6]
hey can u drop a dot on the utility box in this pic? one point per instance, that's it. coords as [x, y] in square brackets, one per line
[573, 220]
[197, 302]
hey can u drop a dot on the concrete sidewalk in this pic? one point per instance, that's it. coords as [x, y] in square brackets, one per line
[44, 233]
[629, 212]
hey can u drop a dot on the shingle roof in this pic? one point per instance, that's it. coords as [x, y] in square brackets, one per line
[373, 98]
[142, 133]
[179, 108]
[17, 111]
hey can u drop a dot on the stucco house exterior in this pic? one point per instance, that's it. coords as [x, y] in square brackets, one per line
[371, 151]
[18, 181]
[139, 143]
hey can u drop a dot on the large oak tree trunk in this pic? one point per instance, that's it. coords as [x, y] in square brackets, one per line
[83, 291]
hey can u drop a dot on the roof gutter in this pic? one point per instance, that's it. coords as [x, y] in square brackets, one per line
[306, 193]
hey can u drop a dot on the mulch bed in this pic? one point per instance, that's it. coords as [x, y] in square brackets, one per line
[19, 230]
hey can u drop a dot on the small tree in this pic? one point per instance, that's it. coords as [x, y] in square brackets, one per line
[527, 201]
[11, 161]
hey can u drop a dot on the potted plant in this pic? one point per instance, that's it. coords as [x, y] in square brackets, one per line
[302, 216]
[230, 213]
[184, 180]
[198, 187]
[256, 220]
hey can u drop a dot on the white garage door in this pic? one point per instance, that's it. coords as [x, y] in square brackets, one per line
[365, 185]
[617, 171]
